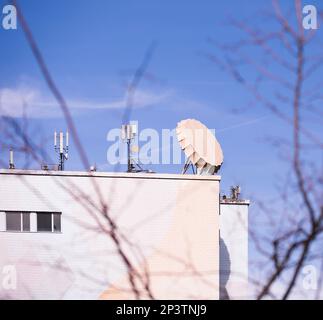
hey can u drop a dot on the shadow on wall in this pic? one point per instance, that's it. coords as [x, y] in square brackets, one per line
[225, 266]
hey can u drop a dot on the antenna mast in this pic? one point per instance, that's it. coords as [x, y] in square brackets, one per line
[128, 132]
[11, 162]
[61, 149]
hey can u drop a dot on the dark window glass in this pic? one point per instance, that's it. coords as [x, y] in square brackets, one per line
[13, 221]
[57, 222]
[26, 221]
[44, 222]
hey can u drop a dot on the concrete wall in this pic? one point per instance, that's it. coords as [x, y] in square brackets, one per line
[234, 250]
[171, 222]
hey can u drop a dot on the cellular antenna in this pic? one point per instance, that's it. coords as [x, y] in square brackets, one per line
[61, 148]
[128, 133]
[203, 151]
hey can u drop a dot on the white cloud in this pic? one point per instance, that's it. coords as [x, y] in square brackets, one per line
[15, 102]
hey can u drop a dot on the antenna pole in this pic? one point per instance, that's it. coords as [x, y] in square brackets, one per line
[128, 132]
[129, 155]
[11, 162]
[61, 149]
[61, 162]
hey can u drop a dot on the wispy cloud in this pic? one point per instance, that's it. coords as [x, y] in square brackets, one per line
[28, 100]
[243, 124]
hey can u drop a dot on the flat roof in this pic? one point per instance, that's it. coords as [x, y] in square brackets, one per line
[99, 174]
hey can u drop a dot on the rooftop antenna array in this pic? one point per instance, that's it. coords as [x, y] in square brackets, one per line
[128, 133]
[235, 193]
[202, 150]
[61, 148]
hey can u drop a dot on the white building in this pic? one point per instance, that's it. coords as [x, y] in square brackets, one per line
[234, 249]
[78, 235]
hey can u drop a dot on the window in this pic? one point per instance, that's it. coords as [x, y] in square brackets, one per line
[26, 221]
[17, 221]
[57, 222]
[31, 221]
[44, 222]
[13, 221]
[48, 222]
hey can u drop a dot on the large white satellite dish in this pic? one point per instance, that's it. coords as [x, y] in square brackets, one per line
[200, 147]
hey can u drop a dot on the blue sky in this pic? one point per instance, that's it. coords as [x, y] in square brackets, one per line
[92, 49]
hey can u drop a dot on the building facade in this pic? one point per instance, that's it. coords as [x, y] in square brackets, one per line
[77, 235]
